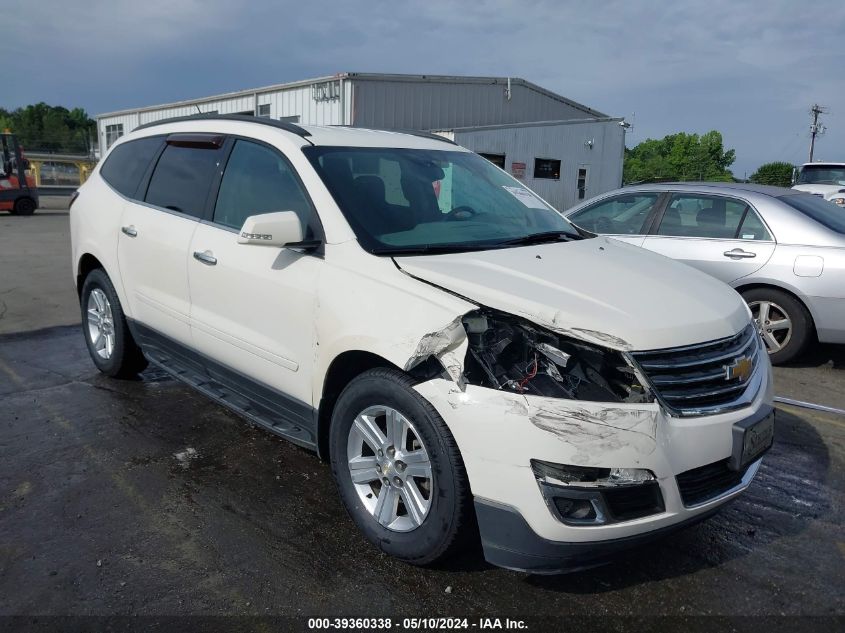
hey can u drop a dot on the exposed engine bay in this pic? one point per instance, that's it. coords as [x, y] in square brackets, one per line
[510, 353]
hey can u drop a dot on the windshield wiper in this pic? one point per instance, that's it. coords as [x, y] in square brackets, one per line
[540, 238]
[431, 249]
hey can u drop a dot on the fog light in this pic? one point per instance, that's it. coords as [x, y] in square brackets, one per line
[577, 509]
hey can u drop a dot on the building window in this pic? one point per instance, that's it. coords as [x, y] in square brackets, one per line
[264, 110]
[113, 132]
[582, 182]
[326, 91]
[289, 119]
[547, 168]
[497, 159]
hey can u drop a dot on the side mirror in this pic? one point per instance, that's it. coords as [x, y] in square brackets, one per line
[281, 228]
[794, 175]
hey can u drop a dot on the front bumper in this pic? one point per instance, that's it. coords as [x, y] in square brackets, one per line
[509, 542]
[499, 433]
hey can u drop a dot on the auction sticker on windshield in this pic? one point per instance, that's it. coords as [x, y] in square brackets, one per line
[526, 197]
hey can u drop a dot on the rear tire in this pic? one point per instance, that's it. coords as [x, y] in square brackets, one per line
[437, 524]
[786, 326]
[106, 332]
[24, 206]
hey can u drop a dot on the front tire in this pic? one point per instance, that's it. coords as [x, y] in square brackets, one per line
[107, 335]
[784, 322]
[398, 470]
[24, 206]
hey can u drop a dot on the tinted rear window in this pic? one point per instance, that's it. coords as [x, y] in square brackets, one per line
[128, 162]
[182, 178]
[819, 209]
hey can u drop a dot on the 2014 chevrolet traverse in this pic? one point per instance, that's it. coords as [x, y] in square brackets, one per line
[457, 350]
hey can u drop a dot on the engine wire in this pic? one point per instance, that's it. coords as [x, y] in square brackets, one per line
[529, 376]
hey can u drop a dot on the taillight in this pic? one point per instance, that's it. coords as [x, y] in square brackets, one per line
[73, 198]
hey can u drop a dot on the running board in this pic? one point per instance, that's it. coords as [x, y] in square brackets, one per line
[260, 404]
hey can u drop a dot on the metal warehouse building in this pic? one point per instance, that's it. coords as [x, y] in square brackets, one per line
[564, 150]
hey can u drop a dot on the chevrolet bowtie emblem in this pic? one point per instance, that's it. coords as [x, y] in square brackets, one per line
[740, 369]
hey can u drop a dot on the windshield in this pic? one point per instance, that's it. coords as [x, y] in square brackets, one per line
[822, 175]
[400, 200]
[820, 210]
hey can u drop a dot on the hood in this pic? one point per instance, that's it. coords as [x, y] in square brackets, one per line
[598, 290]
[825, 190]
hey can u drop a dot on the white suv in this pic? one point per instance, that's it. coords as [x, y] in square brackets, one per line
[467, 361]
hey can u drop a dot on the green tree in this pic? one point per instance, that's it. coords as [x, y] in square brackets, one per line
[680, 156]
[41, 127]
[777, 173]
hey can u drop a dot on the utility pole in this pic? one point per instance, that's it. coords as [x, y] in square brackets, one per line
[816, 129]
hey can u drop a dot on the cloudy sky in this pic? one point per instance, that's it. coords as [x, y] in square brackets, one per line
[748, 69]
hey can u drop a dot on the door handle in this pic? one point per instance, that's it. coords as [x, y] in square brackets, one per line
[131, 231]
[206, 257]
[738, 253]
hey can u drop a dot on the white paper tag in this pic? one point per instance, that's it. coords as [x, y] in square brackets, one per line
[526, 197]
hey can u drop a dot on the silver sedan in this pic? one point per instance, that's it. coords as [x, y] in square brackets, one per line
[782, 249]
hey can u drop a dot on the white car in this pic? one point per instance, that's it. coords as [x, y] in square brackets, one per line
[826, 180]
[455, 348]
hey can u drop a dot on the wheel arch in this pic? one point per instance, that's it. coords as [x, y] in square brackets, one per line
[86, 264]
[755, 285]
[342, 370]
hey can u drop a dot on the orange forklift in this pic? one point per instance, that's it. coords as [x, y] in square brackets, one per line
[18, 192]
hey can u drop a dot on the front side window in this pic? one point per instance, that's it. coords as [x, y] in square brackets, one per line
[182, 179]
[259, 180]
[128, 162]
[697, 215]
[620, 215]
[413, 199]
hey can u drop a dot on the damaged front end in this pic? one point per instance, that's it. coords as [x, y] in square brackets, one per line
[512, 354]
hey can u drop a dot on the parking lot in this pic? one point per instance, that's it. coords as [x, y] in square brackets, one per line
[143, 497]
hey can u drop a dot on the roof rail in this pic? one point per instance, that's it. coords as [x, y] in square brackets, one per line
[247, 118]
[421, 134]
[431, 135]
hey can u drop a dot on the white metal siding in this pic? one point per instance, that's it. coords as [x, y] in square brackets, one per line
[296, 101]
[224, 106]
[300, 102]
[424, 105]
[565, 142]
[129, 122]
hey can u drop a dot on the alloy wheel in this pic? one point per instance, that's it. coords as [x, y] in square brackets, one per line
[774, 324]
[390, 468]
[100, 324]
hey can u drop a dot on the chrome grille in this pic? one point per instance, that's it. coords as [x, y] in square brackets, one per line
[696, 379]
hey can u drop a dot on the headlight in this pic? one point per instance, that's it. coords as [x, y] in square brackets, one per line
[509, 353]
[839, 201]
